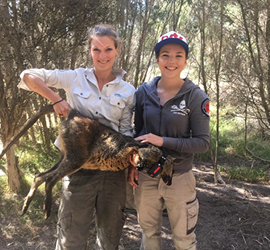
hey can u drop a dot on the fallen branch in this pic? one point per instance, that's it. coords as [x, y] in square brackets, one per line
[257, 157]
[266, 238]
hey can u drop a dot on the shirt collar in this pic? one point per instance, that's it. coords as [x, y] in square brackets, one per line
[119, 73]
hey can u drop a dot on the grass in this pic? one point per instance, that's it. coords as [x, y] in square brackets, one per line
[14, 227]
[35, 159]
[32, 160]
[250, 175]
[234, 161]
[16, 230]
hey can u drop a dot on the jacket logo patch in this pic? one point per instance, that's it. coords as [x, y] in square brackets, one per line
[181, 110]
[205, 107]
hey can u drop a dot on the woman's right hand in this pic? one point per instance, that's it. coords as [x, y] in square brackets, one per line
[38, 85]
[62, 108]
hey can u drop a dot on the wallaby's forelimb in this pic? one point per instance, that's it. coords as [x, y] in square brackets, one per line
[43, 111]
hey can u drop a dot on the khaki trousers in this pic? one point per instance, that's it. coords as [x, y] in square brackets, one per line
[182, 206]
[84, 193]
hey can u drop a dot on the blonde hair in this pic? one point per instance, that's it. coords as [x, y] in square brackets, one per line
[103, 30]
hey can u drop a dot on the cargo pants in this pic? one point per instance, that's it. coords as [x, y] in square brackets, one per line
[181, 204]
[83, 193]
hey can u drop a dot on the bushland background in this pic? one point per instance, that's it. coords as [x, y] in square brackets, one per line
[229, 59]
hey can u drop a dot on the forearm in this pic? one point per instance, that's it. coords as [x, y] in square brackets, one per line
[186, 145]
[37, 85]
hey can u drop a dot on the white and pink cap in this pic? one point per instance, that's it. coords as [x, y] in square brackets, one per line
[171, 37]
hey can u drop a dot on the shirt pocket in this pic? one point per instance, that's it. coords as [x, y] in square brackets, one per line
[81, 98]
[117, 102]
[81, 93]
[117, 107]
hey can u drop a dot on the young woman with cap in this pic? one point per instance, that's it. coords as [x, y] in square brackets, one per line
[173, 114]
[100, 93]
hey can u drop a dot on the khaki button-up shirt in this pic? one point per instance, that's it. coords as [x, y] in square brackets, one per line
[112, 106]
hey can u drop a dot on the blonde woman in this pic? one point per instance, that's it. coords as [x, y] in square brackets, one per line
[100, 93]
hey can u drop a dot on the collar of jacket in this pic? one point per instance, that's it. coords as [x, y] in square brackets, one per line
[151, 88]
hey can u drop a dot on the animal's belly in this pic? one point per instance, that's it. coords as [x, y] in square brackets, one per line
[105, 165]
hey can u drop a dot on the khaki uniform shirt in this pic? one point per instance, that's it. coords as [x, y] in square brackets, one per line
[112, 106]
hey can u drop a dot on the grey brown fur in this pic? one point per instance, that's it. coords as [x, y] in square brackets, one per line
[87, 144]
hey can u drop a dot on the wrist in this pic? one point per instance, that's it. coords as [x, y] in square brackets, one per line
[53, 97]
[58, 101]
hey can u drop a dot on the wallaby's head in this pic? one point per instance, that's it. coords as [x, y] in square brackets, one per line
[151, 158]
[167, 171]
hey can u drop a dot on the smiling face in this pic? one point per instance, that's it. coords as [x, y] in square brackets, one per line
[172, 60]
[103, 53]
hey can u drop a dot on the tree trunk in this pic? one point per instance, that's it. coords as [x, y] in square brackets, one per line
[141, 41]
[14, 179]
[218, 178]
[202, 33]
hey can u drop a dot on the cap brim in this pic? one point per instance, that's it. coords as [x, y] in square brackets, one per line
[170, 41]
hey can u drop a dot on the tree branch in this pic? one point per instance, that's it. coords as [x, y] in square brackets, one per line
[28, 124]
[257, 157]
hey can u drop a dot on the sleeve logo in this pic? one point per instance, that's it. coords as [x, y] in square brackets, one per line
[205, 107]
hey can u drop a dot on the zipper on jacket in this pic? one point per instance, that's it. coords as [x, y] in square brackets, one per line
[160, 119]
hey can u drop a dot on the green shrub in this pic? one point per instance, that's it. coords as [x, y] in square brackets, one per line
[242, 173]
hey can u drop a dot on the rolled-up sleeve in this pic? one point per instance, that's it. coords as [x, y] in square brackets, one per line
[53, 78]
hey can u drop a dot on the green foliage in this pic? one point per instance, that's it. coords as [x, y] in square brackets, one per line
[232, 138]
[2, 162]
[259, 146]
[243, 173]
[35, 158]
[234, 160]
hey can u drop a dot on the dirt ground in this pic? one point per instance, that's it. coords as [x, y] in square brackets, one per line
[232, 216]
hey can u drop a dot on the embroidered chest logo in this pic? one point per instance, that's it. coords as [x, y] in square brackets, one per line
[181, 110]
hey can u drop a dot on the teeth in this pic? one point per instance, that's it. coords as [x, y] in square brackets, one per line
[170, 68]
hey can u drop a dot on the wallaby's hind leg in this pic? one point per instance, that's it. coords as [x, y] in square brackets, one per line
[50, 183]
[48, 201]
[66, 167]
[39, 179]
[37, 182]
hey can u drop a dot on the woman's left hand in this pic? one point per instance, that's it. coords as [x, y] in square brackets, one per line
[133, 176]
[150, 138]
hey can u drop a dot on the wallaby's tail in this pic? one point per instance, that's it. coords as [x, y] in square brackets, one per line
[28, 124]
